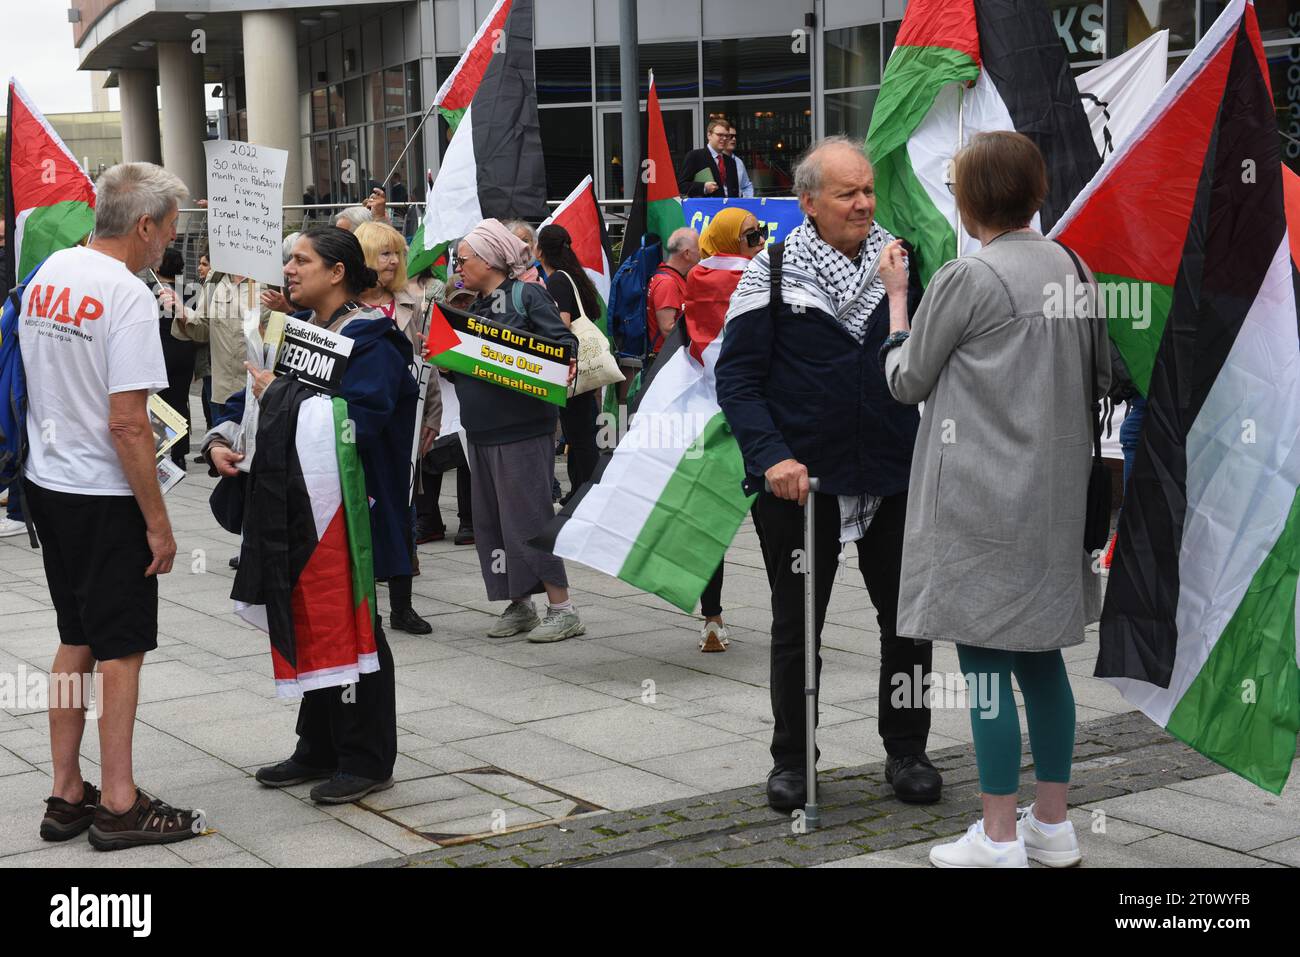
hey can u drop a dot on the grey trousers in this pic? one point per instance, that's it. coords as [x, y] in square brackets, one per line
[510, 490]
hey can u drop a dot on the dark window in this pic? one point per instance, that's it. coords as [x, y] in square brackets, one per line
[679, 129]
[853, 57]
[1284, 74]
[850, 113]
[354, 106]
[675, 65]
[770, 136]
[394, 92]
[889, 33]
[337, 116]
[320, 118]
[1132, 21]
[756, 65]
[563, 76]
[414, 101]
[566, 145]
[1277, 20]
[443, 66]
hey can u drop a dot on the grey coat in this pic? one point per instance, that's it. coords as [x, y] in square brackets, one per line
[993, 551]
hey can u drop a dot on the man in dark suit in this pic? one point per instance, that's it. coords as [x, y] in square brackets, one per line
[722, 165]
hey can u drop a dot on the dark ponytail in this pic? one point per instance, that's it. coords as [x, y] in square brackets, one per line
[556, 248]
[334, 245]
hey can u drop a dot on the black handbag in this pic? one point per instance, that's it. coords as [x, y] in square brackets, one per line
[1096, 523]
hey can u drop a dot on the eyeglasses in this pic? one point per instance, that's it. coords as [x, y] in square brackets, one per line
[457, 260]
[755, 237]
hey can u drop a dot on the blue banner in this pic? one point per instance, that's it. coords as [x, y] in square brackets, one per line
[780, 214]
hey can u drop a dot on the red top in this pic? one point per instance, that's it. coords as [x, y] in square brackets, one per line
[667, 290]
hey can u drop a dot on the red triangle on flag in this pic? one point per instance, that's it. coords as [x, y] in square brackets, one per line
[441, 335]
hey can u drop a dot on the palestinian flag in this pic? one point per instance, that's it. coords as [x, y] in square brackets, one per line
[493, 166]
[502, 355]
[656, 206]
[661, 511]
[961, 67]
[457, 91]
[322, 630]
[49, 199]
[1186, 229]
[418, 258]
[580, 215]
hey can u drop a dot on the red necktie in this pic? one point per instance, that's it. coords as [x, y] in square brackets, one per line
[722, 172]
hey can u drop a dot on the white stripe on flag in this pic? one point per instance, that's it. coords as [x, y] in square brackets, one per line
[453, 208]
[1239, 493]
[601, 531]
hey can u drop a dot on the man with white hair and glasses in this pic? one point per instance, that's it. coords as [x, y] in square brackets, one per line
[90, 348]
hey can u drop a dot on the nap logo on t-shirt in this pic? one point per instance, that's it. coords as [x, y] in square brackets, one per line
[56, 307]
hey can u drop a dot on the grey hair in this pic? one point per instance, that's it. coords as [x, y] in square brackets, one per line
[678, 240]
[286, 248]
[356, 215]
[808, 172]
[128, 191]
[518, 225]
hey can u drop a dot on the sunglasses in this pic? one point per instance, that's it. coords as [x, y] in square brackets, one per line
[458, 260]
[755, 237]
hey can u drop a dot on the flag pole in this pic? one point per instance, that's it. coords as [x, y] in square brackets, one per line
[400, 156]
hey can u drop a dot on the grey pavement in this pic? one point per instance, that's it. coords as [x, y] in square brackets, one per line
[502, 740]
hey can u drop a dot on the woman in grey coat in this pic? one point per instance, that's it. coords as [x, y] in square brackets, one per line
[993, 557]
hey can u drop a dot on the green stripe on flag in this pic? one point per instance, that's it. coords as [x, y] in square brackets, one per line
[419, 259]
[1136, 313]
[356, 507]
[662, 216]
[453, 117]
[686, 534]
[913, 78]
[1242, 710]
[47, 229]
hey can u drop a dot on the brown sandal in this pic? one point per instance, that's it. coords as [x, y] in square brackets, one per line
[148, 821]
[64, 820]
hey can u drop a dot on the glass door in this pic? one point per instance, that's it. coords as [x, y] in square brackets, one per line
[681, 127]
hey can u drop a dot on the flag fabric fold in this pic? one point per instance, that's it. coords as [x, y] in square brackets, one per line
[580, 215]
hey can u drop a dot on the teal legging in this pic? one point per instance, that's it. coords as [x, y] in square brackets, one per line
[1049, 708]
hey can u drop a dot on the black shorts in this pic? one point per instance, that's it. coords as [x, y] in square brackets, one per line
[95, 551]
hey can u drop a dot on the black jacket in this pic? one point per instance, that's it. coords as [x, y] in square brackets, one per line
[697, 160]
[798, 386]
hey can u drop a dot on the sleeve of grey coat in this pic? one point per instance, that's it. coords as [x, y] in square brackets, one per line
[940, 324]
[544, 316]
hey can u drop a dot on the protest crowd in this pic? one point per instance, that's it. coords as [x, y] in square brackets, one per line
[838, 357]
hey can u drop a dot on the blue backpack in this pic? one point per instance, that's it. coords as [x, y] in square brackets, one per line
[13, 388]
[627, 302]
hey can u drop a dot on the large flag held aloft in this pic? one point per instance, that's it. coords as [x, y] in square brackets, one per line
[493, 166]
[457, 91]
[656, 206]
[1185, 228]
[49, 199]
[962, 67]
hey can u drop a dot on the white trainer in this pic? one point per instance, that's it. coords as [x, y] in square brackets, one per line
[9, 527]
[518, 616]
[1060, 849]
[974, 849]
[714, 636]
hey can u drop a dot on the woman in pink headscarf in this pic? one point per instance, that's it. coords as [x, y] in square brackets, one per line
[511, 451]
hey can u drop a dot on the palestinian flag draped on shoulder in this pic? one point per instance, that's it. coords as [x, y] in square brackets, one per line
[661, 511]
[493, 166]
[49, 199]
[961, 67]
[580, 215]
[1185, 229]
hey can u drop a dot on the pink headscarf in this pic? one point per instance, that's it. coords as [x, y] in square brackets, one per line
[500, 248]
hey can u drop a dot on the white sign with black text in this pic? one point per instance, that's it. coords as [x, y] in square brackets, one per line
[317, 356]
[246, 209]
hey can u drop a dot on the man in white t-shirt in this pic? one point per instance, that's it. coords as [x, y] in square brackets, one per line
[92, 356]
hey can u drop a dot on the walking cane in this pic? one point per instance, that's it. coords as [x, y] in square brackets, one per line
[811, 813]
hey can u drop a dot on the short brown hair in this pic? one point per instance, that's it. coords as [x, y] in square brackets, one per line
[715, 121]
[1000, 180]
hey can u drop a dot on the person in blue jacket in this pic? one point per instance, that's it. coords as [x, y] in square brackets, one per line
[351, 743]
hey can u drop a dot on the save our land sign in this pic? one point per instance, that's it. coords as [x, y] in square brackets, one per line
[502, 355]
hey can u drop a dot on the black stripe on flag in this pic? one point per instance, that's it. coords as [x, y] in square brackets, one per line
[1023, 55]
[1235, 231]
[511, 170]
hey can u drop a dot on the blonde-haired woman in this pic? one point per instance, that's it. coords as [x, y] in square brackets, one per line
[385, 252]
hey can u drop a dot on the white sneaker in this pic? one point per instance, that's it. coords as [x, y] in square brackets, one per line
[714, 637]
[9, 527]
[974, 849]
[556, 626]
[1060, 849]
[518, 616]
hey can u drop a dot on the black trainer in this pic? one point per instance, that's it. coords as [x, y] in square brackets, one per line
[344, 788]
[465, 535]
[408, 621]
[915, 779]
[787, 789]
[290, 772]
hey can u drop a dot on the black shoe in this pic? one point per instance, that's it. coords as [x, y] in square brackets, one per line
[428, 533]
[787, 789]
[556, 492]
[234, 562]
[290, 772]
[465, 535]
[344, 788]
[408, 621]
[198, 460]
[914, 778]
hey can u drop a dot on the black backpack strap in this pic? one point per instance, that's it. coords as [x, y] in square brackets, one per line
[1095, 407]
[775, 253]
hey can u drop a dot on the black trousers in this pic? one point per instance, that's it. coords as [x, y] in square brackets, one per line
[437, 463]
[904, 730]
[354, 728]
[578, 420]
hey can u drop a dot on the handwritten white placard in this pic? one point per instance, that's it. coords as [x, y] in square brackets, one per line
[246, 209]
